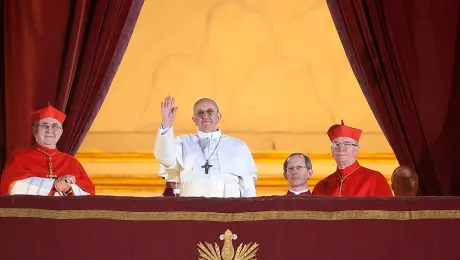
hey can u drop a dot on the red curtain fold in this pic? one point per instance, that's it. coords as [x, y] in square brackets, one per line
[65, 52]
[110, 71]
[405, 57]
[2, 92]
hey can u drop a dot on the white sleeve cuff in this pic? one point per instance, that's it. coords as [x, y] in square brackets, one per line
[33, 186]
[77, 191]
[164, 131]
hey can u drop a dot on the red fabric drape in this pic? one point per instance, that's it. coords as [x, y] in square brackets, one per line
[2, 92]
[65, 52]
[285, 227]
[405, 55]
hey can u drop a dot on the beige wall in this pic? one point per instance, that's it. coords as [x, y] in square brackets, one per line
[276, 68]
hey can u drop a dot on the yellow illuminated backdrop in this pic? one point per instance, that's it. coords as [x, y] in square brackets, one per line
[276, 68]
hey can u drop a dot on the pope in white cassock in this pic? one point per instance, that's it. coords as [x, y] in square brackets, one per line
[208, 163]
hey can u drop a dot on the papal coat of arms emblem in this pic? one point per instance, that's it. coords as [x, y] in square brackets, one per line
[212, 252]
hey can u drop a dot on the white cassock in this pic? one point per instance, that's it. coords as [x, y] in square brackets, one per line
[182, 159]
[40, 186]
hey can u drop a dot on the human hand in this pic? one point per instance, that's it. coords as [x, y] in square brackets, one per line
[168, 112]
[61, 185]
[69, 179]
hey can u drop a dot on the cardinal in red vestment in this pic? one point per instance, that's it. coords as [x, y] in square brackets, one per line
[297, 171]
[42, 169]
[350, 178]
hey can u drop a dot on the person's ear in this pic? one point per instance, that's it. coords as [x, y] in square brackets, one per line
[356, 150]
[412, 182]
[193, 119]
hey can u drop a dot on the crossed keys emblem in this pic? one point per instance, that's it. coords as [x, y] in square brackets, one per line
[213, 252]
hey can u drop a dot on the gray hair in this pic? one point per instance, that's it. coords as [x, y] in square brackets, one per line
[203, 99]
[307, 161]
[36, 124]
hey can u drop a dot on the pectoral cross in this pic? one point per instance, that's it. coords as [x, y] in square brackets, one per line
[50, 163]
[206, 167]
[51, 176]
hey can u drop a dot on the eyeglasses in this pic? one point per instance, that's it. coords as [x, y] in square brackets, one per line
[298, 168]
[208, 112]
[54, 127]
[335, 145]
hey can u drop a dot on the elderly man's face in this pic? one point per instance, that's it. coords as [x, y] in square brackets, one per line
[206, 116]
[344, 149]
[47, 132]
[297, 173]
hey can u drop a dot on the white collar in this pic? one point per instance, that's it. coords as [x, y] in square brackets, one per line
[210, 135]
[298, 192]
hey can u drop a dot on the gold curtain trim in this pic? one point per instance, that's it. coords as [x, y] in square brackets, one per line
[229, 217]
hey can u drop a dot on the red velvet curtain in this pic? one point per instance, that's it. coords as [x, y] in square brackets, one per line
[65, 52]
[405, 55]
[2, 92]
